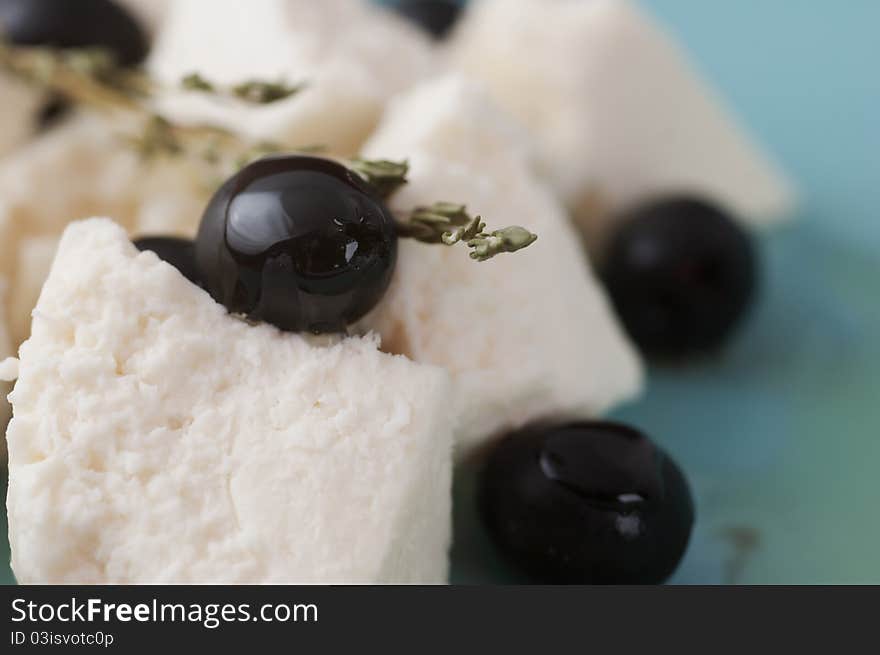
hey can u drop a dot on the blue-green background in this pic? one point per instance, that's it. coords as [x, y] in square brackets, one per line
[781, 435]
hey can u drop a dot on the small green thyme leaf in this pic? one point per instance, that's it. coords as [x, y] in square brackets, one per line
[157, 139]
[93, 62]
[465, 232]
[442, 222]
[449, 223]
[260, 92]
[195, 82]
[508, 239]
[384, 175]
[89, 76]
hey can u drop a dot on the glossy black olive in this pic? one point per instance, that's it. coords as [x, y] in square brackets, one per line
[180, 253]
[682, 275]
[586, 503]
[74, 24]
[299, 242]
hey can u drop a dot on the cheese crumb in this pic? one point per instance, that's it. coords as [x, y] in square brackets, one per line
[9, 369]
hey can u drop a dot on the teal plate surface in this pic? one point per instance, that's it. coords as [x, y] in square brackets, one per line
[781, 435]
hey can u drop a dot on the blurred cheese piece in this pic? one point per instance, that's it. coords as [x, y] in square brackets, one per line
[81, 169]
[526, 336]
[619, 112]
[19, 104]
[150, 13]
[5, 343]
[68, 173]
[350, 57]
[157, 439]
[35, 255]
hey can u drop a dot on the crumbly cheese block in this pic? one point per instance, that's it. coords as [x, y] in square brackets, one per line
[157, 439]
[83, 168]
[19, 103]
[619, 112]
[350, 56]
[526, 336]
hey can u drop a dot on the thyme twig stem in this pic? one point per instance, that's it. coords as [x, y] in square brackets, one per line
[92, 78]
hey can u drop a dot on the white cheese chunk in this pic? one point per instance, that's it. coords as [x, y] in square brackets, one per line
[526, 336]
[72, 172]
[19, 104]
[81, 169]
[150, 13]
[157, 439]
[350, 56]
[618, 110]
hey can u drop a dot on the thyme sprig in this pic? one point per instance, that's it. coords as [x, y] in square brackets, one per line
[444, 223]
[450, 223]
[93, 78]
[88, 76]
[383, 175]
[258, 92]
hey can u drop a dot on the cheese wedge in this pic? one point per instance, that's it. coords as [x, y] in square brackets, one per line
[157, 439]
[349, 56]
[526, 336]
[80, 169]
[618, 111]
